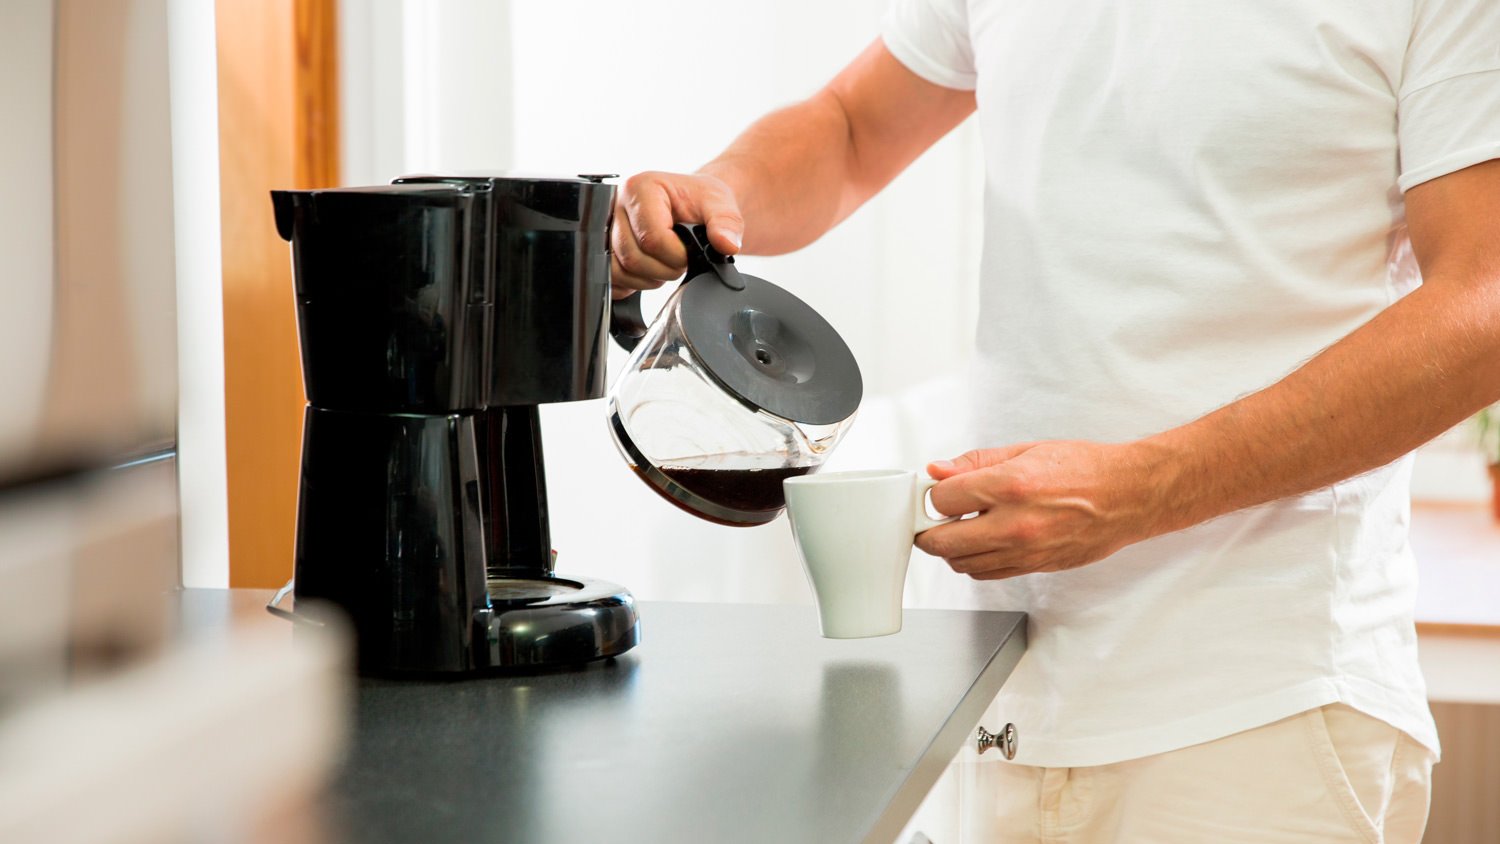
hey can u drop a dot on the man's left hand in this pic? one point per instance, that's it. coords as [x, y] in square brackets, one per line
[1046, 506]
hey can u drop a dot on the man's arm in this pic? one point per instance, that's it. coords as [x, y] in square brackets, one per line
[1418, 368]
[1411, 373]
[793, 175]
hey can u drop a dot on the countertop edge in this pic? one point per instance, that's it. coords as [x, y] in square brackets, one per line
[950, 737]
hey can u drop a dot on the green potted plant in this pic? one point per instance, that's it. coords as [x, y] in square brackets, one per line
[1487, 424]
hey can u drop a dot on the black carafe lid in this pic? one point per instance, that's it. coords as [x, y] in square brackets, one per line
[763, 345]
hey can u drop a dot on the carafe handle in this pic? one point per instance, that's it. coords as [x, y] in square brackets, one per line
[628, 326]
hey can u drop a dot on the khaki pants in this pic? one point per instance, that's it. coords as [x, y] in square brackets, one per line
[1325, 775]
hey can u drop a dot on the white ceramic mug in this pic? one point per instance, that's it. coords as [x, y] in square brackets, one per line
[855, 531]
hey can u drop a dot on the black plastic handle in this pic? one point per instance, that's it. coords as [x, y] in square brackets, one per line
[628, 326]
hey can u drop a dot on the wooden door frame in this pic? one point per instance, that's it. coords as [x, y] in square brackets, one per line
[278, 128]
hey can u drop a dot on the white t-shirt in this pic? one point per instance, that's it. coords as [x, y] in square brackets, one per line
[1185, 200]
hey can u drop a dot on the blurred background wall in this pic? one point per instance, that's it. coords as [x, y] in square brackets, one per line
[26, 223]
[88, 488]
[88, 231]
[114, 353]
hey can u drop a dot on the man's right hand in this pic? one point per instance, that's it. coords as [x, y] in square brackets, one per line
[647, 253]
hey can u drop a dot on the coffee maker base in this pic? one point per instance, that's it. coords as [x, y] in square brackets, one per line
[553, 621]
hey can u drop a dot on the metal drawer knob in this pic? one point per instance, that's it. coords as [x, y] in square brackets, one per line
[1005, 740]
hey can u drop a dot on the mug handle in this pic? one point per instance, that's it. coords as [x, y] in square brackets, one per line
[924, 521]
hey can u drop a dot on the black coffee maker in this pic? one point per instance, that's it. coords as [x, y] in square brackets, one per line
[435, 314]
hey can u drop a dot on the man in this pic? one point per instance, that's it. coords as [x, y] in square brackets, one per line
[1202, 355]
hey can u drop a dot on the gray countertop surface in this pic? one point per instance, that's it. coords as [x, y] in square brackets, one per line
[728, 723]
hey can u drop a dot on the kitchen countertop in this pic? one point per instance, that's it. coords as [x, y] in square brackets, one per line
[1458, 564]
[729, 722]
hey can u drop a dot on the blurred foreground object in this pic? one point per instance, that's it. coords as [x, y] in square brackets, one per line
[88, 562]
[121, 718]
[120, 721]
[218, 740]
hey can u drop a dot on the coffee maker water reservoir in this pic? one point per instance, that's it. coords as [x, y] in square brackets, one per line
[435, 315]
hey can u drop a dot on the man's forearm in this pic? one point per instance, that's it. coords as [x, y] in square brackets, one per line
[790, 172]
[1420, 367]
[1416, 369]
[791, 176]
[799, 171]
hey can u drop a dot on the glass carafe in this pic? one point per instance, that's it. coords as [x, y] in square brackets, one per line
[735, 387]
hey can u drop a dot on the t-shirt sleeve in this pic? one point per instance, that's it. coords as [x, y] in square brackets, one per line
[931, 37]
[1448, 116]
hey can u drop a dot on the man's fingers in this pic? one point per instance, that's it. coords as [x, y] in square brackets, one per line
[711, 203]
[626, 258]
[1000, 574]
[726, 228]
[993, 565]
[958, 539]
[647, 246]
[632, 259]
[623, 285]
[999, 529]
[979, 458]
[955, 497]
[648, 205]
[971, 492]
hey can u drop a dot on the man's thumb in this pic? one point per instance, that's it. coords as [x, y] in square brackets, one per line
[726, 231]
[713, 203]
[979, 458]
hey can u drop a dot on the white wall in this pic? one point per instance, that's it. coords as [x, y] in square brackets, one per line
[1451, 468]
[457, 85]
[203, 490]
[372, 91]
[413, 100]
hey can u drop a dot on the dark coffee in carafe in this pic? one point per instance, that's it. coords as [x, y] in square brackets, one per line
[754, 495]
